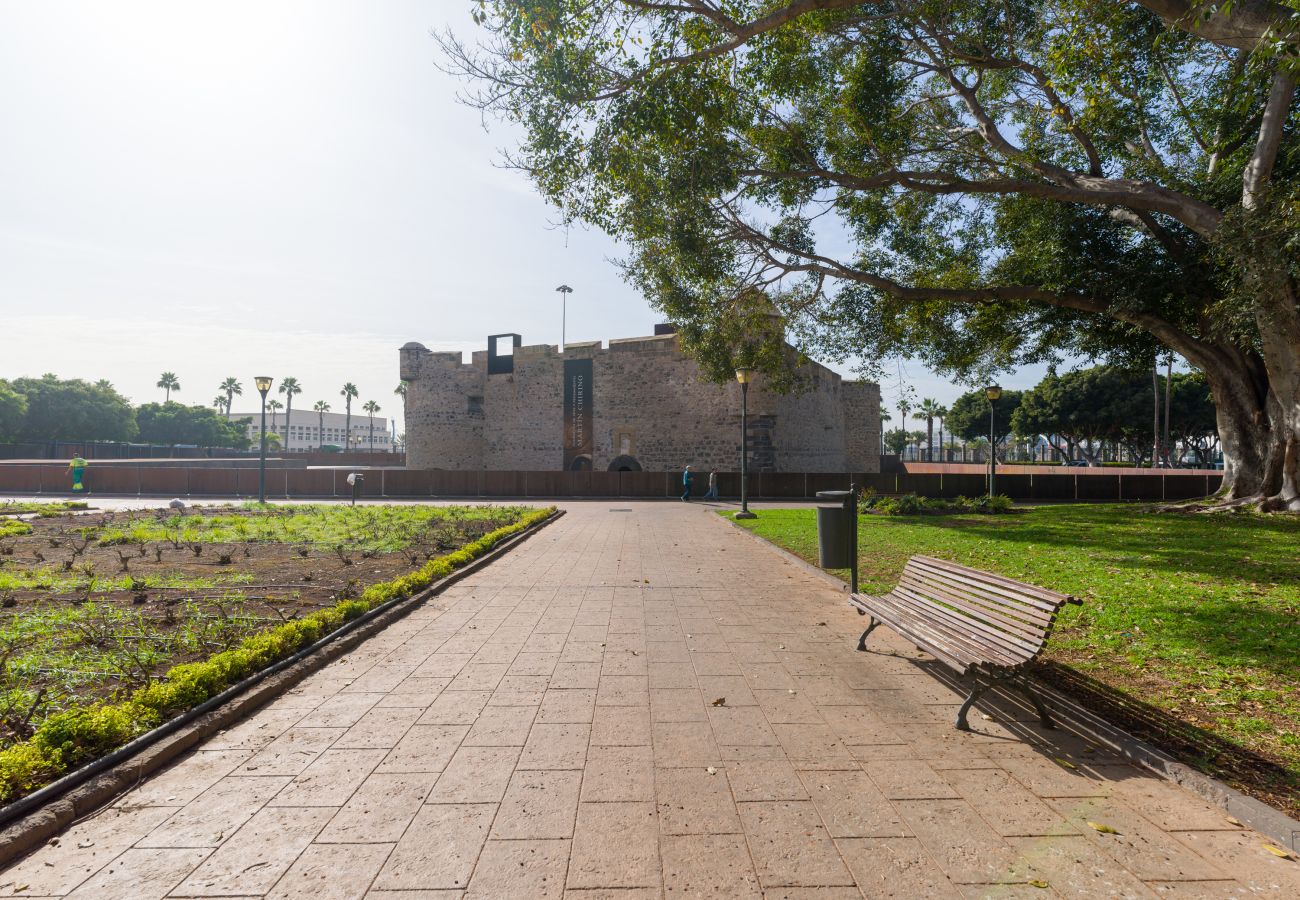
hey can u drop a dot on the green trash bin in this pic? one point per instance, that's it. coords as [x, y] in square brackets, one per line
[835, 526]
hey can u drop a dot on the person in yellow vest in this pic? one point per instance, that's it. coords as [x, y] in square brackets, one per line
[78, 467]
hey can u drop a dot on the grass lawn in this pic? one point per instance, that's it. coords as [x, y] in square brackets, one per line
[1189, 631]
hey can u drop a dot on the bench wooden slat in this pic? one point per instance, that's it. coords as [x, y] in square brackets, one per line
[923, 628]
[1006, 644]
[916, 633]
[1054, 599]
[979, 607]
[995, 592]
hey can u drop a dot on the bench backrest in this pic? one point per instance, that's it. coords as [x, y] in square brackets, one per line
[1010, 615]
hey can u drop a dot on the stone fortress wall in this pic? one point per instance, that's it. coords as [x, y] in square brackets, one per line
[649, 410]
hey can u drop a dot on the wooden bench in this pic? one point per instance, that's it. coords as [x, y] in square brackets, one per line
[980, 624]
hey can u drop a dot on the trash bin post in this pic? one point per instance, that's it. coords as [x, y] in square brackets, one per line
[851, 501]
[356, 479]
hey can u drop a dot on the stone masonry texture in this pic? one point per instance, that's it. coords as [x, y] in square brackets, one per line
[646, 704]
[649, 405]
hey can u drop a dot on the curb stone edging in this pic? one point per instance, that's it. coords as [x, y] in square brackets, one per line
[1250, 812]
[46, 821]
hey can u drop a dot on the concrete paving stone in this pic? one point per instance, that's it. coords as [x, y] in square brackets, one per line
[908, 779]
[968, 850]
[1201, 890]
[330, 780]
[538, 805]
[895, 867]
[677, 705]
[379, 810]
[79, 852]
[381, 679]
[215, 814]
[708, 867]
[814, 746]
[1240, 854]
[255, 858]
[857, 725]
[1074, 867]
[1146, 850]
[577, 651]
[623, 690]
[1167, 805]
[1010, 809]
[625, 661]
[332, 872]
[291, 752]
[534, 664]
[455, 708]
[380, 728]
[790, 846]
[667, 652]
[763, 676]
[800, 663]
[668, 631]
[442, 665]
[530, 868]
[341, 710]
[788, 708]
[256, 732]
[424, 748]
[943, 745]
[541, 642]
[897, 706]
[614, 774]
[713, 662]
[693, 801]
[732, 688]
[475, 775]
[416, 692]
[765, 779]
[556, 746]
[1045, 777]
[851, 806]
[671, 676]
[812, 893]
[576, 675]
[566, 707]
[439, 848]
[141, 875]
[740, 726]
[620, 726]
[588, 634]
[825, 690]
[180, 783]
[678, 744]
[501, 726]
[615, 845]
[479, 677]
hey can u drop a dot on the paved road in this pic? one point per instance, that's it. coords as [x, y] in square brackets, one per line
[641, 702]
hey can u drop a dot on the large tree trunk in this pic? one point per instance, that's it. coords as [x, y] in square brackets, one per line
[1279, 327]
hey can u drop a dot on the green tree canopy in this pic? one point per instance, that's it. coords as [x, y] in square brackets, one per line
[13, 409]
[977, 184]
[968, 416]
[74, 410]
[176, 423]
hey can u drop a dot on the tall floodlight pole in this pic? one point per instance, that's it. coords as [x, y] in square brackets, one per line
[992, 392]
[744, 376]
[564, 291]
[263, 386]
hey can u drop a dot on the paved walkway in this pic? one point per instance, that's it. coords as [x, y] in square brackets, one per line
[640, 702]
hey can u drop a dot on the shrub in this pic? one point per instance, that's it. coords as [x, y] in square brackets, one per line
[913, 505]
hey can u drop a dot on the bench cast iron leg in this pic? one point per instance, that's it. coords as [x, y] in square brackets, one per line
[1044, 717]
[862, 641]
[979, 690]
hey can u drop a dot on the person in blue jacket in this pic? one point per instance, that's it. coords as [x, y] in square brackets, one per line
[686, 484]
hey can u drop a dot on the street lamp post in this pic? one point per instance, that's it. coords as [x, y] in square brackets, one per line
[564, 291]
[744, 376]
[992, 392]
[263, 383]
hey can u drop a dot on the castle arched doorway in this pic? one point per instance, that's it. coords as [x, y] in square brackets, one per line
[625, 464]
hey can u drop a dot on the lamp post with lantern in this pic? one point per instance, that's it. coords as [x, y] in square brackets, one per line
[744, 375]
[263, 383]
[993, 392]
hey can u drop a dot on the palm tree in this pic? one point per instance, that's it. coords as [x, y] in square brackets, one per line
[941, 413]
[884, 417]
[321, 407]
[219, 403]
[273, 405]
[400, 390]
[289, 386]
[230, 387]
[168, 383]
[928, 410]
[371, 407]
[349, 391]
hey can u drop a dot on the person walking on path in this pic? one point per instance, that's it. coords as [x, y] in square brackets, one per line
[712, 492]
[686, 484]
[78, 467]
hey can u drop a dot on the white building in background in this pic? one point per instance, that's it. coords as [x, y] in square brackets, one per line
[304, 432]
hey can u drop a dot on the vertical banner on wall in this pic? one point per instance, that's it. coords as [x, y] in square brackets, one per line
[578, 440]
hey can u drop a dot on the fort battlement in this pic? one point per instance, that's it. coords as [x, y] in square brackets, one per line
[633, 403]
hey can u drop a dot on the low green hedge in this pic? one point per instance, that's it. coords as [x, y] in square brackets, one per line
[13, 528]
[913, 505]
[76, 736]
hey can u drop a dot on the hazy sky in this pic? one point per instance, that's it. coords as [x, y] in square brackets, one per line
[287, 188]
